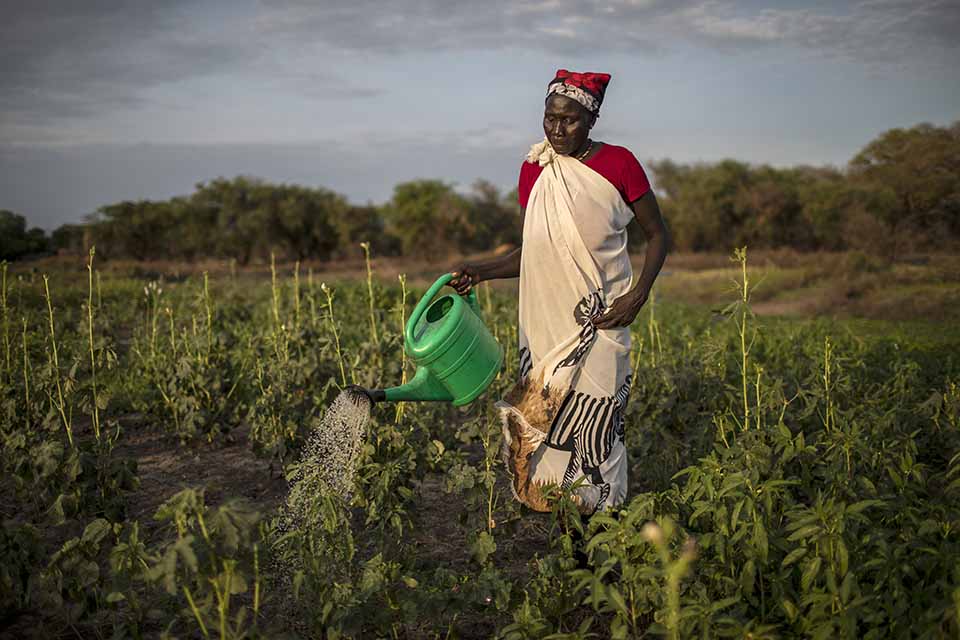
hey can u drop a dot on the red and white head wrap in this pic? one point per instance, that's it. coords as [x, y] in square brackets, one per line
[586, 88]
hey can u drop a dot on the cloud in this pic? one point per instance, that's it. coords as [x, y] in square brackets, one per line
[71, 60]
[364, 168]
[442, 25]
[886, 31]
[897, 33]
[66, 61]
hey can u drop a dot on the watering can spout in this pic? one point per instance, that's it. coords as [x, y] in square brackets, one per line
[423, 387]
[358, 394]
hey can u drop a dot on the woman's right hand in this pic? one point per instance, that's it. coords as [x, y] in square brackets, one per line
[465, 277]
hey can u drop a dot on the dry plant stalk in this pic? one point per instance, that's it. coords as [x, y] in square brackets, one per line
[59, 401]
[93, 361]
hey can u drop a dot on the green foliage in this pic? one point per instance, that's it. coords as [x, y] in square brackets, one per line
[69, 238]
[900, 193]
[897, 195]
[243, 218]
[427, 216]
[248, 219]
[188, 378]
[916, 172]
[21, 551]
[788, 479]
[295, 354]
[15, 240]
[212, 563]
[73, 574]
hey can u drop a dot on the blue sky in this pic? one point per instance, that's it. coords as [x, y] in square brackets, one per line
[108, 100]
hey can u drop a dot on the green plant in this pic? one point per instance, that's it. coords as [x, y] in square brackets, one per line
[816, 463]
[63, 387]
[212, 562]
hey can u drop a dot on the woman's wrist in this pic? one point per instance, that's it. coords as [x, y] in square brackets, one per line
[639, 293]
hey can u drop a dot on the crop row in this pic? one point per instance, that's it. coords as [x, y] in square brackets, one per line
[788, 479]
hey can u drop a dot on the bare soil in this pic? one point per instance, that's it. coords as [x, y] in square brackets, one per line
[225, 469]
[439, 537]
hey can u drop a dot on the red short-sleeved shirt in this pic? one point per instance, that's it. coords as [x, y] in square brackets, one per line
[614, 163]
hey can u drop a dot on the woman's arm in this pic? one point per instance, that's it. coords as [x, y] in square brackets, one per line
[625, 308]
[647, 212]
[466, 275]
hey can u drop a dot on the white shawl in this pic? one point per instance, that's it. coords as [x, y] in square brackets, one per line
[563, 422]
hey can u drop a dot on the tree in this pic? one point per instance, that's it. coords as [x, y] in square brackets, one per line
[142, 230]
[771, 211]
[492, 219]
[307, 221]
[364, 223]
[701, 203]
[68, 238]
[428, 216]
[901, 191]
[918, 171]
[15, 240]
[240, 225]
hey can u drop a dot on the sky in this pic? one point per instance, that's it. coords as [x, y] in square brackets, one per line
[109, 100]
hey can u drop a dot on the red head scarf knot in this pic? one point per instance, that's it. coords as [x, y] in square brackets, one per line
[586, 88]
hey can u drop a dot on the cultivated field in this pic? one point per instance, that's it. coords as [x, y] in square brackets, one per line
[793, 474]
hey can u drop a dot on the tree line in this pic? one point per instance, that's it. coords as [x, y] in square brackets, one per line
[248, 219]
[900, 193]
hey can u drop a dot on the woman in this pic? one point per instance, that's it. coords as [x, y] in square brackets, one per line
[564, 420]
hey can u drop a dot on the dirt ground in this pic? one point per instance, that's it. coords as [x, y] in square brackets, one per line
[225, 469]
[231, 470]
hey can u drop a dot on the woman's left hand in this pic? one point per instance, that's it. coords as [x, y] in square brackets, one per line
[622, 312]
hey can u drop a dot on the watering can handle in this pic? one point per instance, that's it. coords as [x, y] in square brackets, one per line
[428, 297]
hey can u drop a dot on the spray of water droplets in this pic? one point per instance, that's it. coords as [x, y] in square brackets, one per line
[323, 475]
[329, 459]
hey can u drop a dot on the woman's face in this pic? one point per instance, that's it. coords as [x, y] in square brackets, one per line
[566, 123]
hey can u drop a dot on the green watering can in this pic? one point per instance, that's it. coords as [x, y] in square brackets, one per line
[456, 356]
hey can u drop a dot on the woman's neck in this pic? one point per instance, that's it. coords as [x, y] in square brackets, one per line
[584, 150]
[592, 148]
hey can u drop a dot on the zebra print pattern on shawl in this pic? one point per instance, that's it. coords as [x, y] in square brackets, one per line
[526, 362]
[588, 427]
[588, 309]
